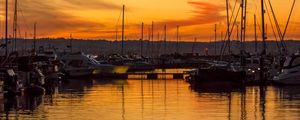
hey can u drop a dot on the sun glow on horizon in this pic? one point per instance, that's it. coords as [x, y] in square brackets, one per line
[99, 19]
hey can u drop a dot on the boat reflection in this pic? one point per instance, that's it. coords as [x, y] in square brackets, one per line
[16, 106]
[290, 93]
[155, 99]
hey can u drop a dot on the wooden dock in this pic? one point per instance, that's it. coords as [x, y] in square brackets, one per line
[156, 76]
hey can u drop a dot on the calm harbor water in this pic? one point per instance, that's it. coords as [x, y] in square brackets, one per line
[155, 100]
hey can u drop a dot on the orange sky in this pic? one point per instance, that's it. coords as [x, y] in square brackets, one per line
[97, 19]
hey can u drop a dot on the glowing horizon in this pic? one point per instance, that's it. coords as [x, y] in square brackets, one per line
[100, 19]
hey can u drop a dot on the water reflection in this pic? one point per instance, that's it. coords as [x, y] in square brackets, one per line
[16, 107]
[257, 103]
[156, 99]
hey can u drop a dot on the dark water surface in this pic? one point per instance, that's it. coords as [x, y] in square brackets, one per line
[155, 100]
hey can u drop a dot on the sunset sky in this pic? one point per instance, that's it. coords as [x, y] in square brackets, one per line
[99, 19]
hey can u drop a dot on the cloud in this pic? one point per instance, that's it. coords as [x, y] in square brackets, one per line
[204, 13]
[51, 17]
[93, 4]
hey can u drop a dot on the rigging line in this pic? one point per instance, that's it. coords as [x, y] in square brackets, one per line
[230, 32]
[277, 24]
[25, 22]
[294, 28]
[275, 18]
[245, 22]
[272, 26]
[232, 28]
[232, 11]
[290, 15]
[117, 25]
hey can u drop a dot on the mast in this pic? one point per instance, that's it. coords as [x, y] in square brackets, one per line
[71, 43]
[245, 23]
[34, 37]
[255, 33]
[25, 38]
[193, 47]
[123, 17]
[243, 29]
[142, 38]
[263, 53]
[215, 39]
[165, 40]
[263, 28]
[152, 38]
[6, 28]
[177, 41]
[15, 25]
[228, 26]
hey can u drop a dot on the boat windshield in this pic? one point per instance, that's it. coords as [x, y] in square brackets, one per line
[296, 62]
[287, 62]
[92, 60]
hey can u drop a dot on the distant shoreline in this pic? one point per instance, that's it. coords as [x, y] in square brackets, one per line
[153, 48]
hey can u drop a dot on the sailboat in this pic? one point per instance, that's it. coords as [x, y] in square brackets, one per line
[219, 73]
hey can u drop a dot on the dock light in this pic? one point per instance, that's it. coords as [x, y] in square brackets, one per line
[120, 69]
[96, 71]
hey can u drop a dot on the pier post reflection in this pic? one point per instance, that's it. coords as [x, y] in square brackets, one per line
[142, 96]
[262, 94]
[13, 105]
[243, 105]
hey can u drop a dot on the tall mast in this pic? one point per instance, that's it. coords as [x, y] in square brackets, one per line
[245, 23]
[71, 43]
[123, 17]
[215, 39]
[165, 40]
[15, 25]
[263, 53]
[34, 37]
[142, 38]
[152, 38]
[177, 41]
[6, 28]
[193, 47]
[228, 26]
[25, 38]
[263, 28]
[255, 33]
[243, 29]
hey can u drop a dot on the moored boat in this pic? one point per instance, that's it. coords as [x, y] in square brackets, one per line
[290, 73]
[221, 74]
[79, 64]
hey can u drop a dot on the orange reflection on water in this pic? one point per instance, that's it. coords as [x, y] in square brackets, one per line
[163, 100]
